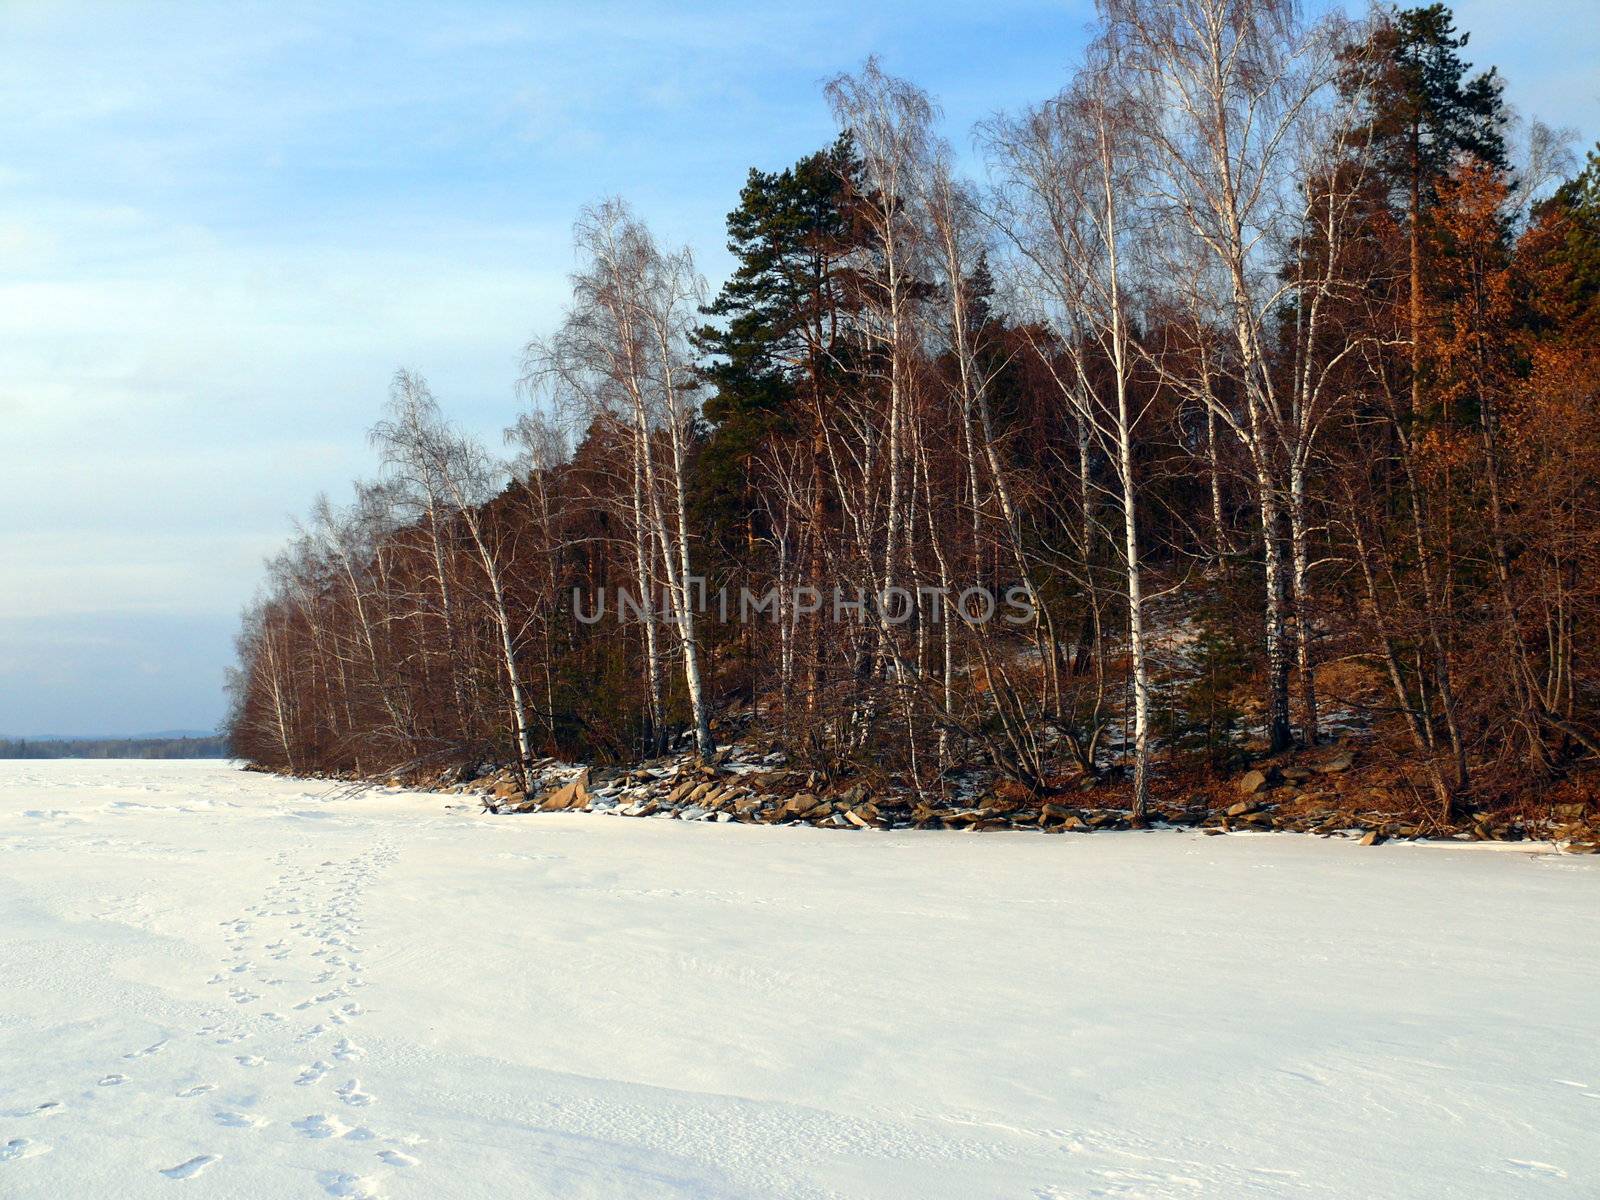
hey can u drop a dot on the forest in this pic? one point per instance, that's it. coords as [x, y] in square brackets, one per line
[1240, 399]
[136, 747]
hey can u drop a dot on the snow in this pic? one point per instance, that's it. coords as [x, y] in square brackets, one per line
[221, 984]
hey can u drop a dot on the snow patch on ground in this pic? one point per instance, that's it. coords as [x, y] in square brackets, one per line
[223, 984]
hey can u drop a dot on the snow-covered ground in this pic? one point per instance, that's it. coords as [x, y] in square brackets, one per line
[226, 985]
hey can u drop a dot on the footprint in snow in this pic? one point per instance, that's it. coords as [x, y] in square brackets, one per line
[48, 1108]
[347, 1051]
[238, 1120]
[396, 1159]
[313, 1073]
[19, 1148]
[249, 1060]
[199, 1089]
[352, 1094]
[188, 1170]
[113, 1080]
[148, 1050]
[347, 1186]
[319, 1126]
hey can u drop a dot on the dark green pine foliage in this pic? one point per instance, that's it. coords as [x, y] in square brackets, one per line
[769, 348]
[1424, 108]
[1578, 201]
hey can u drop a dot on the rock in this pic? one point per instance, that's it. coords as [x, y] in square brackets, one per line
[1373, 838]
[572, 795]
[1251, 782]
[1296, 774]
[855, 818]
[1244, 806]
[1570, 812]
[1341, 761]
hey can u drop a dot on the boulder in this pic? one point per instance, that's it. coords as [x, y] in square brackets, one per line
[1373, 838]
[1341, 761]
[1251, 782]
[571, 795]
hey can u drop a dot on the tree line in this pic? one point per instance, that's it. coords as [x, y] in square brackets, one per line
[1261, 359]
[157, 747]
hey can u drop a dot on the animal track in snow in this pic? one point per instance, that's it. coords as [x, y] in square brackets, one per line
[249, 1060]
[199, 1089]
[347, 1051]
[313, 1073]
[148, 1050]
[396, 1159]
[352, 1094]
[188, 1170]
[112, 1080]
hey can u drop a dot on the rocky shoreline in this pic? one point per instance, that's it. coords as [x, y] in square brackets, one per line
[1315, 793]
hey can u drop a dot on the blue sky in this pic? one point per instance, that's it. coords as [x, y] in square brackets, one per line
[222, 227]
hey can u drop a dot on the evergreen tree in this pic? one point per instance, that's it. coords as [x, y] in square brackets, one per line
[770, 353]
[1424, 110]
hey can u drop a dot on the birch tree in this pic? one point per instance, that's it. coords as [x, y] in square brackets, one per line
[623, 353]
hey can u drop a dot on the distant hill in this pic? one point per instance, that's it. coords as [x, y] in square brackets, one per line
[153, 746]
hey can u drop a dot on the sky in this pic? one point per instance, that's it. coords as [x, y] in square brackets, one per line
[223, 227]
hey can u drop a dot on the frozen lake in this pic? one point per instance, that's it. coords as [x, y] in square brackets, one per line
[228, 985]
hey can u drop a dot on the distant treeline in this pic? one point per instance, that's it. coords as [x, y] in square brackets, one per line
[180, 747]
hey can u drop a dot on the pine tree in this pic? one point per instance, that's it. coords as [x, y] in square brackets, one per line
[1424, 110]
[769, 351]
